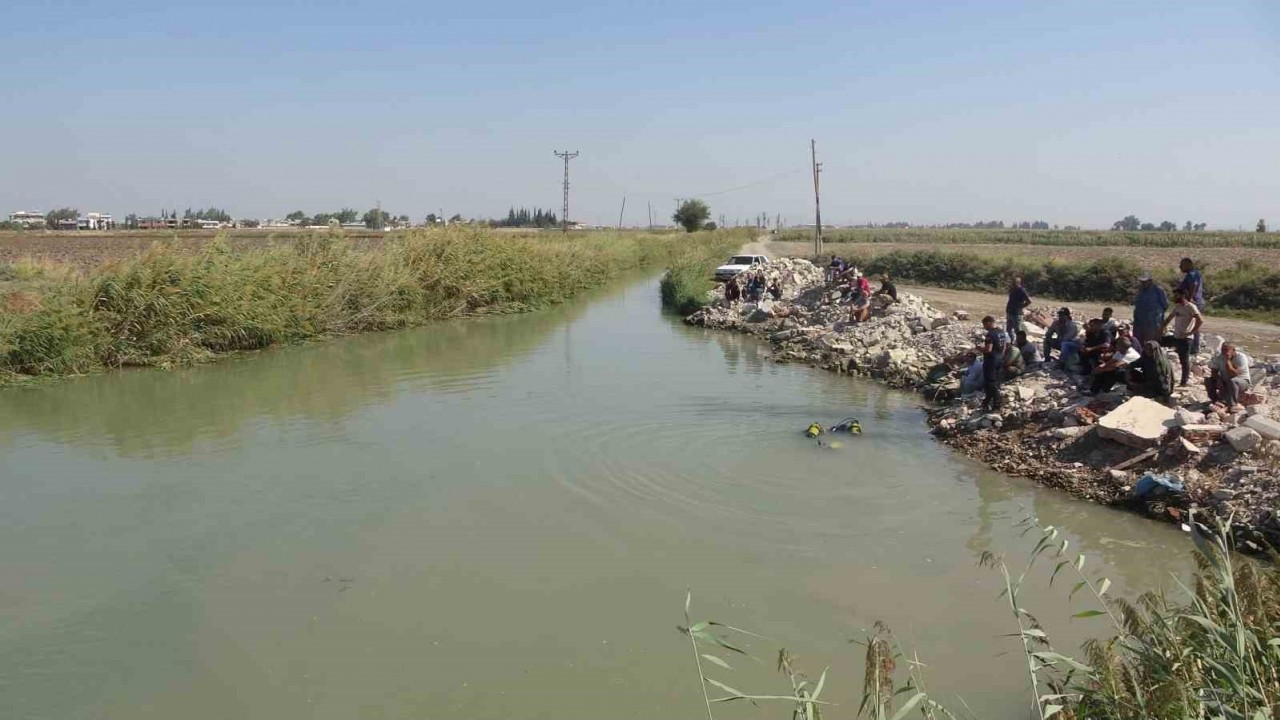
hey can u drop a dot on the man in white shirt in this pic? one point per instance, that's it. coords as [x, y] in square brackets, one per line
[1111, 370]
[1186, 319]
[1228, 376]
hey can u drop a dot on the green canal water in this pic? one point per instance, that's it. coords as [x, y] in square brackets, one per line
[498, 519]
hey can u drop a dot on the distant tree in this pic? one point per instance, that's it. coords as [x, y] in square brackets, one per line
[1262, 225]
[53, 217]
[1130, 223]
[692, 214]
[1167, 226]
[1201, 226]
[432, 219]
[296, 216]
[403, 221]
[376, 219]
[11, 225]
[322, 219]
[1147, 227]
[709, 226]
[249, 223]
[131, 221]
[456, 218]
[347, 215]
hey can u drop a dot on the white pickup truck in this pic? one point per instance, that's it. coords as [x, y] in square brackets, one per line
[739, 263]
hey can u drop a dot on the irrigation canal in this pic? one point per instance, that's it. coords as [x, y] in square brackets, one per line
[498, 519]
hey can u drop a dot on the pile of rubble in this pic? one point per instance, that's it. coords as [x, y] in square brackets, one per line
[1112, 448]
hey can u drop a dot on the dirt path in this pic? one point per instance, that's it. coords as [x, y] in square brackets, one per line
[1255, 337]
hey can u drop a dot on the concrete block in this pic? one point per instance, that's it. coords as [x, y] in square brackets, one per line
[1139, 423]
[1265, 426]
[1243, 439]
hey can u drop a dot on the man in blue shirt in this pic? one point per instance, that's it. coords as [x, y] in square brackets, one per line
[1149, 309]
[1019, 300]
[993, 345]
[1192, 286]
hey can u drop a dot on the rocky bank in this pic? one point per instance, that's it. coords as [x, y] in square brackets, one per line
[1110, 448]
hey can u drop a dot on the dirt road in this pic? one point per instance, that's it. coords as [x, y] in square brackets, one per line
[1255, 337]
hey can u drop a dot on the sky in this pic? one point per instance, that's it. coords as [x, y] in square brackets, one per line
[926, 112]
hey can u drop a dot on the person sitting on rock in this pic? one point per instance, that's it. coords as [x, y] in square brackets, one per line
[1112, 365]
[775, 291]
[732, 291]
[860, 308]
[993, 343]
[1030, 353]
[887, 288]
[1013, 364]
[1228, 376]
[1061, 336]
[1097, 341]
[1186, 319]
[835, 269]
[1109, 323]
[1152, 375]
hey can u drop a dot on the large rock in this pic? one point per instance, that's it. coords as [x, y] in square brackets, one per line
[1243, 439]
[1265, 426]
[1139, 423]
[1185, 417]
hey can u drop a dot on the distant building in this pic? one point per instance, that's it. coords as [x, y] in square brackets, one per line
[93, 221]
[27, 219]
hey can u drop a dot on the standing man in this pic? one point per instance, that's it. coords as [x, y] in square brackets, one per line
[1019, 300]
[993, 344]
[1149, 308]
[1186, 319]
[1192, 286]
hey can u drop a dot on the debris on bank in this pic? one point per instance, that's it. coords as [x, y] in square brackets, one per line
[1111, 448]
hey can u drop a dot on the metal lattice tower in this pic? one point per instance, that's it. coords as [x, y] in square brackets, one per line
[564, 219]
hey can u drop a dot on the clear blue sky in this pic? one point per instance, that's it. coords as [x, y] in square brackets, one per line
[1071, 112]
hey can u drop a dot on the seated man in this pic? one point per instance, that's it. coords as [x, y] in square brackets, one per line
[1061, 336]
[888, 288]
[1152, 375]
[1013, 363]
[1228, 376]
[835, 269]
[1030, 353]
[1111, 366]
[1097, 342]
[775, 291]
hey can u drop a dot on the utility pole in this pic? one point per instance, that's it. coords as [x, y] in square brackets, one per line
[624, 209]
[651, 215]
[817, 203]
[567, 157]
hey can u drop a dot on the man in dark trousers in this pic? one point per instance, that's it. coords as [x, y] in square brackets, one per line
[1019, 300]
[1192, 286]
[993, 344]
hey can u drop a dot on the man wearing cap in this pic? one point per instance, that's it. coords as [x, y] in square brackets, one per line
[1061, 335]
[1149, 309]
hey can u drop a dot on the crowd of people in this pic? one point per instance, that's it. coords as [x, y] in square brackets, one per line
[1107, 352]
[751, 286]
[855, 288]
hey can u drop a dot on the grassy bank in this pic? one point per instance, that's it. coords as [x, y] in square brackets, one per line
[1243, 288]
[168, 306]
[1084, 238]
[688, 278]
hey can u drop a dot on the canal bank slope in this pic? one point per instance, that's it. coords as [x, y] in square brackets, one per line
[1102, 447]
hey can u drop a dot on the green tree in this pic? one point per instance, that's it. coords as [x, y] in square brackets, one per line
[692, 214]
[296, 216]
[457, 218]
[376, 219]
[1262, 225]
[1167, 226]
[1130, 223]
[347, 215]
[53, 217]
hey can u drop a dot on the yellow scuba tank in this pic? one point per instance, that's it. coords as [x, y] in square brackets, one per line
[849, 425]
[813, 431]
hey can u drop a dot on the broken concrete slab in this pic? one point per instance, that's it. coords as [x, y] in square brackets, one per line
[1243, 439]
[1139, 423]
[1265, 426]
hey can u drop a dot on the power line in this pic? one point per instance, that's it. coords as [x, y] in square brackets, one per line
[567, 157]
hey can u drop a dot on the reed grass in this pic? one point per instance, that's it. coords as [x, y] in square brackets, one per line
[1213, 651]
[170, 306]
